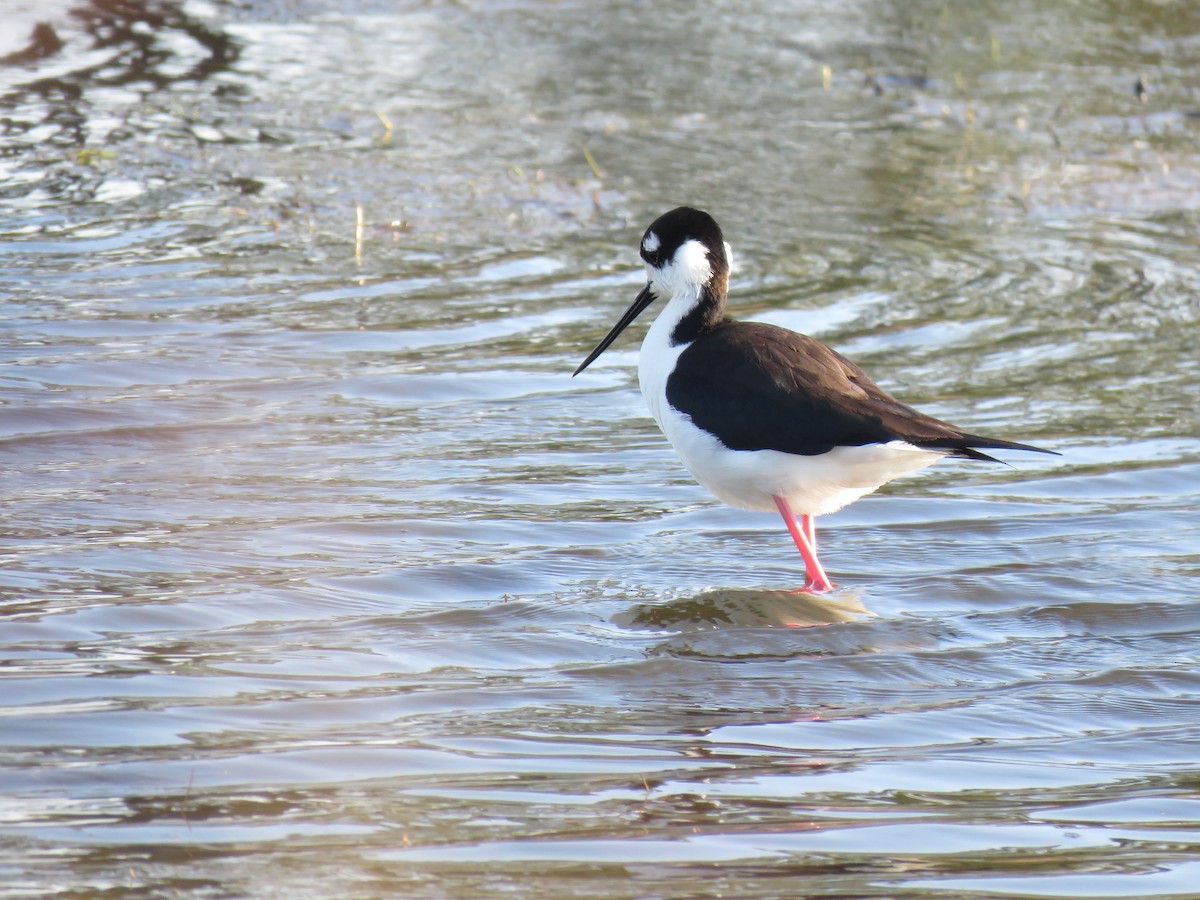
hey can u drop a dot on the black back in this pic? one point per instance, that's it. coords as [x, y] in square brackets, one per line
[760, 387]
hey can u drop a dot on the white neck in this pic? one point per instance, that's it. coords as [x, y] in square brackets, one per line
[681, 281]
[658, 355]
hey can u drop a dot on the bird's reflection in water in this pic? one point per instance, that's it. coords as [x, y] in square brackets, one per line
[741, 608]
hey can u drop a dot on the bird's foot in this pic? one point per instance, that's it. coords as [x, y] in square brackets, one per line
[816, 586]
[811, 589]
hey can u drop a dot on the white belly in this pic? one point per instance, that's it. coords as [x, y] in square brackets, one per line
[812, 485]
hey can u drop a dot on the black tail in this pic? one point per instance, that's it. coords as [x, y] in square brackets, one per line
[964, 446]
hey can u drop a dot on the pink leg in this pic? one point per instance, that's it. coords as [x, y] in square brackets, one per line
[804, 533]
[808, 525]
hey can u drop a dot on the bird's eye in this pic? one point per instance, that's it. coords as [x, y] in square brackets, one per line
[650, 248]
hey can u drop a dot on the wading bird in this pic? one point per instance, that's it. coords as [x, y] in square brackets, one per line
[764, 417]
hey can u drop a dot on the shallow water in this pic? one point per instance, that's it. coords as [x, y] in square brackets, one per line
[322, 576]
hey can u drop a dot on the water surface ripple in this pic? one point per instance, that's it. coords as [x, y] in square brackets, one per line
[322, 577]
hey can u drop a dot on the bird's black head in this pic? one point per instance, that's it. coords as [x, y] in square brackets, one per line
[674, 229]
[686, 257]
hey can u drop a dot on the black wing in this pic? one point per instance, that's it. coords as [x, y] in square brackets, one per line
[761, 387]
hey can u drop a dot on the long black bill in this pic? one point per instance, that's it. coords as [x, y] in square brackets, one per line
[643, 299]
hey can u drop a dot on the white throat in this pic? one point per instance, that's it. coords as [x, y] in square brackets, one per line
[681, 283]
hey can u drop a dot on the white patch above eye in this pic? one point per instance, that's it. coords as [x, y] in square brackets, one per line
[651, 243]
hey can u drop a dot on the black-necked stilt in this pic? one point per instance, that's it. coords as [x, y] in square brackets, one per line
[763, 417]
